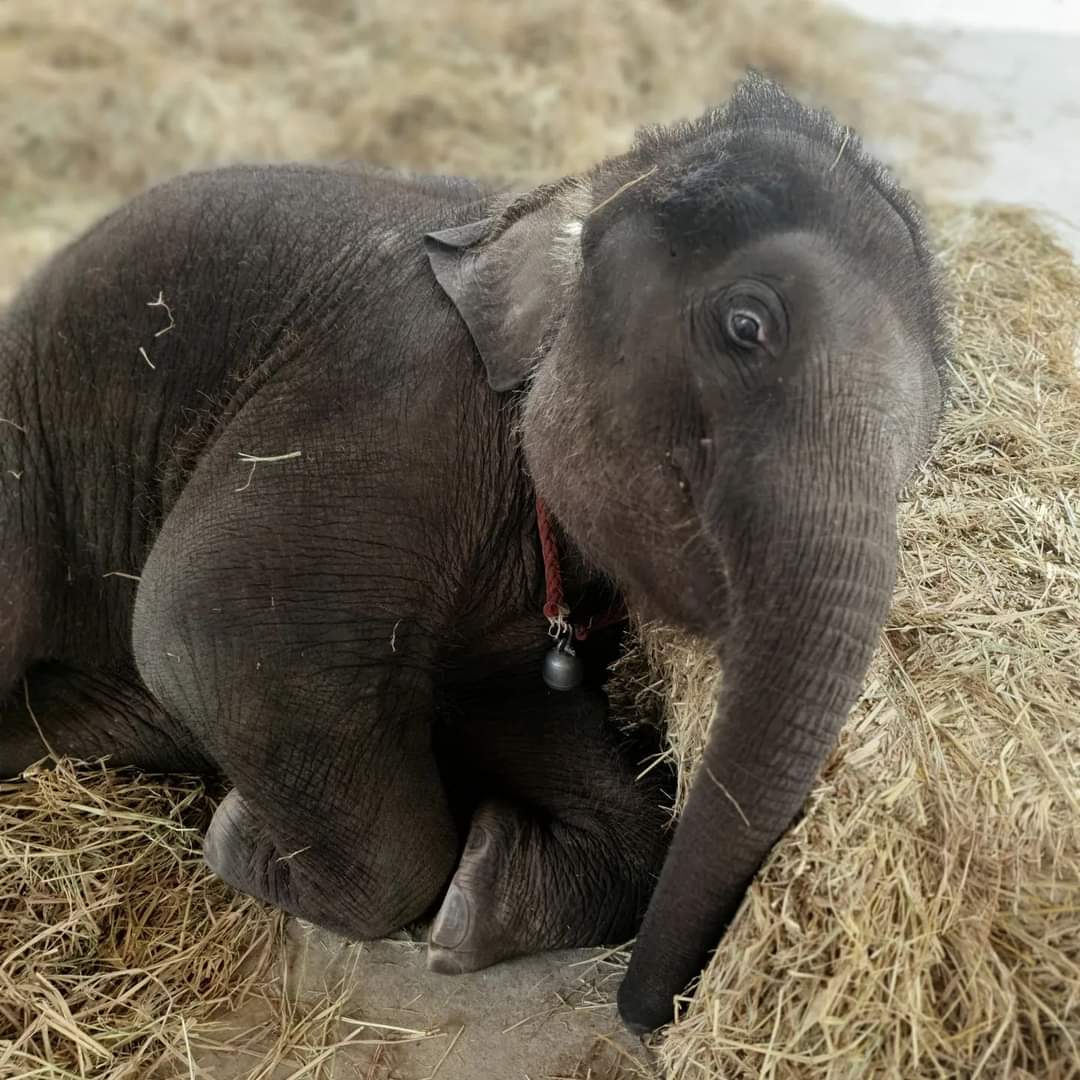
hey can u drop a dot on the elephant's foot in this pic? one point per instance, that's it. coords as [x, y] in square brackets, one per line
[478, 924]
[525, 885]
[238, 847]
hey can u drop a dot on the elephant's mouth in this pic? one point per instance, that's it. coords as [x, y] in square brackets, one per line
[689, 591]
[690, 595]
[678, 464]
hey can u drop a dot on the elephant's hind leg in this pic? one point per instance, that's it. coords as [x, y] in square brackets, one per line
[23, 617]
[564, 849]
[19, 621]
[22, 593]
[25, 539]
[58, 710]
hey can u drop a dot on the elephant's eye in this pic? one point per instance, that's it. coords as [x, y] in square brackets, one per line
[744, 328]
[750, 318]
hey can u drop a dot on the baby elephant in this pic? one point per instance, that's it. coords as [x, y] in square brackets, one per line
[272, 445]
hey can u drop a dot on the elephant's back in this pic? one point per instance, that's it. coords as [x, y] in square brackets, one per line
[147, 332]
[148, 327]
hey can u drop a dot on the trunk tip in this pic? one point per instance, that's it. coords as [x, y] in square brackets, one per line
[643, 1012]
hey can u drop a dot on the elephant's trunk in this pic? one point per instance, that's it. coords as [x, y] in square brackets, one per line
[810, 582]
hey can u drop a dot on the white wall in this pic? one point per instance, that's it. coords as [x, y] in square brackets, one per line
[1048, 16]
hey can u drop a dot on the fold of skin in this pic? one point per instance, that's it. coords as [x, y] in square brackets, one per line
[810, 579]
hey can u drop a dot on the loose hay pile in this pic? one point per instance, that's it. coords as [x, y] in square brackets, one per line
[116, 943]
[404, 82]
[98, 100]
[923, 918]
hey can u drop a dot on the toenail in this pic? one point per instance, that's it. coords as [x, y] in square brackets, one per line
[452, 922]
[478, 838]
[444, 961]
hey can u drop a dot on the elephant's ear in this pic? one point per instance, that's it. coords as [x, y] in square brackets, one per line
[501, 281]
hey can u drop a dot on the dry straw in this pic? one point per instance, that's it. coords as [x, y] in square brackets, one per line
[105, 98]
[923, 918]
[531, 89]
[122, 957]
[115, 941]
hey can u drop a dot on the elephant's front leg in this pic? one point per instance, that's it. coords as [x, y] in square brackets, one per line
[565, 843]
[338, 813]
[358, 839]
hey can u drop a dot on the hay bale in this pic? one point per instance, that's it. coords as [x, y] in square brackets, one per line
[923, 917]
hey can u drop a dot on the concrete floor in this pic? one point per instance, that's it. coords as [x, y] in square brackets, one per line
[542, 1018]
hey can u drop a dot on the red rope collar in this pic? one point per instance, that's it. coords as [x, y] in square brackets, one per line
[556, 610]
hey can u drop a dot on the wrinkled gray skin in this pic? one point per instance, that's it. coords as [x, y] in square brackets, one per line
[717, 358]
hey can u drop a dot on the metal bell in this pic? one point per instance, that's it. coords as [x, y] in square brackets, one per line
[562, 669]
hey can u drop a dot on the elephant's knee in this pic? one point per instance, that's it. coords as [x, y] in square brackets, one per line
[172, 639]
[359, 902]
[155, 620]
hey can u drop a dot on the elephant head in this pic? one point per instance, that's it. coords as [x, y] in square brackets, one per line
[731, 354]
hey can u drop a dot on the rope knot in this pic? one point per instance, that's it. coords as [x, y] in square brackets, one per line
[556, 610]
